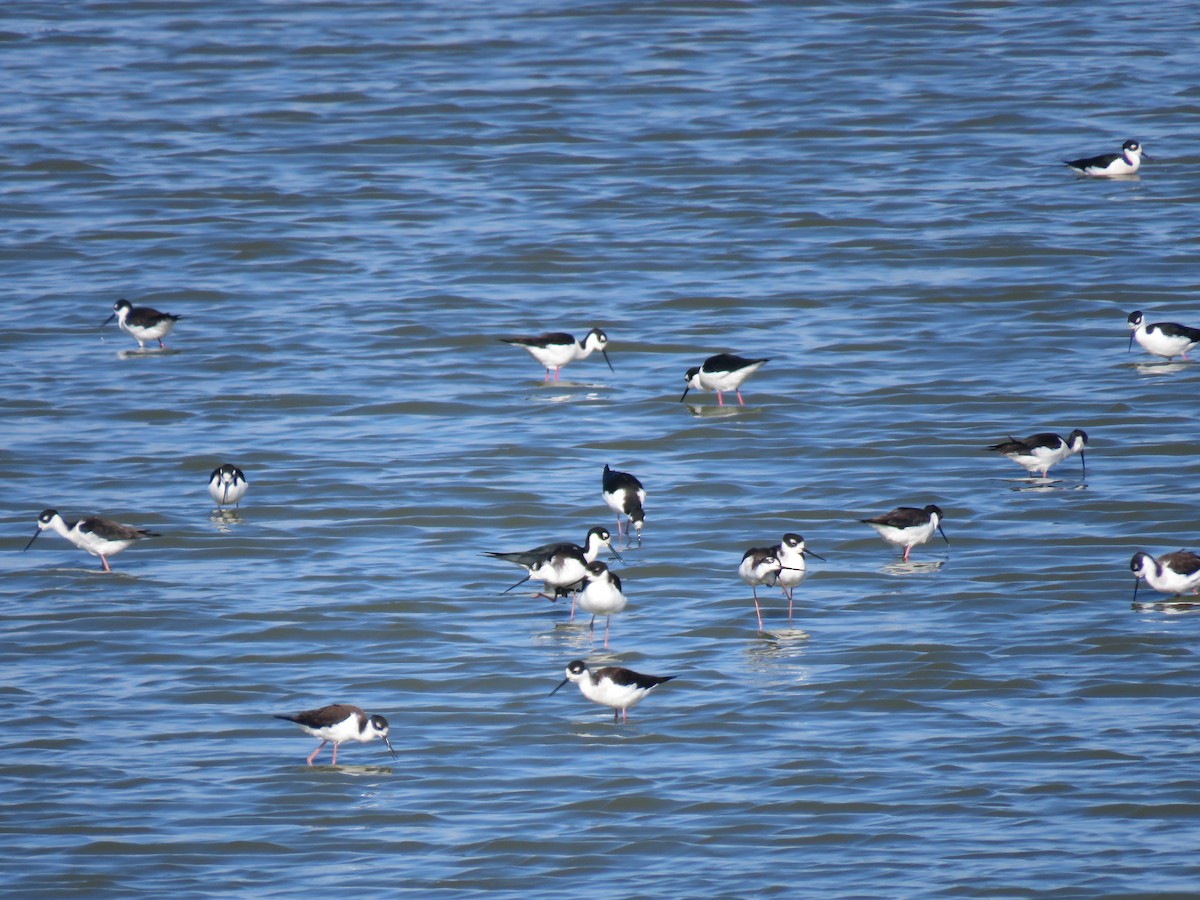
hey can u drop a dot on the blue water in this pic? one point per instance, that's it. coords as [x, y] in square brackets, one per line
[349, 204]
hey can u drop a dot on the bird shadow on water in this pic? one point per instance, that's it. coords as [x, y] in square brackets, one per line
[148, 352]
[1166, 367]
[721, 412]
[224, 519]
[1169, 607]
[913, 568]
[1043, 485]
[86, 571]
[779, 639]
[356, 770]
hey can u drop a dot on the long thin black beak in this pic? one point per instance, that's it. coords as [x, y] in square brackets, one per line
[109, 319]
[1136, 582]
[1082, 464]
[807, 552]
[32, 539]
[604, 353]
[1146, 155]
[517, 585]
[943, 534]
[615, 553]
[389, 745]
[560, 684]
[1131, 334]
[684, 394]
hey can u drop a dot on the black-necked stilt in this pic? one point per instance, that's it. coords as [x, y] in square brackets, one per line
[612, 686]
[227, 485]
[142, 323]
[792, 567]
[720, 373]
[759, 565]
[1128, 161]
[598, 537]
[338, 723]
[625, 496]
[907, 526]
[1172, 573]
[1038, 452]
[559, 571]
[1162, 338]
[99, 537]
[601, 596]
[557, 349]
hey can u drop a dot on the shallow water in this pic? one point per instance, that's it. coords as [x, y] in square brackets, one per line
[348, 204]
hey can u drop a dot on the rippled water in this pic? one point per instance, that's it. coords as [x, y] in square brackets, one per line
[349, 203]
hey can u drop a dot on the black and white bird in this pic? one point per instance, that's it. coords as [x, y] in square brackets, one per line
[598, 538]
[612, 686]
[792, 566]
[1172, 573]
[560, 571]
[1038, 452]
[721, 373]
[908, 527]
[142, 323]
[227, 485]
[99, 537]
[1167, 339]
[1128, 161]
[626, 497]
[554, 350]
[338, 723]
[601, 596]
[759, 565]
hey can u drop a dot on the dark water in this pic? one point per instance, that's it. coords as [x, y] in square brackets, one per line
[349, 203]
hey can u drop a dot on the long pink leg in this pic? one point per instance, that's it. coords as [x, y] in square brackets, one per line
[547, 378]
[556, 373]
[606, 621]
[104, 562]
[720, 402]
[318, 750]
[592, 629]
[333, 762]
[757, 611]
[906, 552]
[741, 402]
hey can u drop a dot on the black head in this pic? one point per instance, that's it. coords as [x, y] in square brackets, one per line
[43, 520]
[1135, 321]
[601, 532]
[379, 725]
[599, 339]
[1137, 566]
[935, 510]
[1131, 145]
[575, 669]
[687, 380]
[596, 569]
